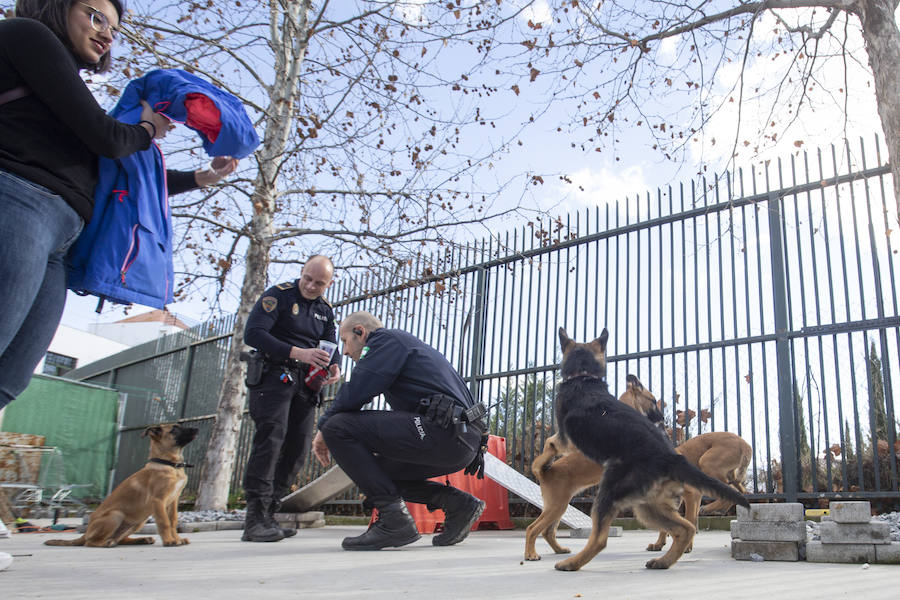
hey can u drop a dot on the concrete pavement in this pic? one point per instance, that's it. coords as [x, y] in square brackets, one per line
[488, 564]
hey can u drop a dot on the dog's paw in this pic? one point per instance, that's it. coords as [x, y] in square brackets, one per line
[177, 542]
[654, 547]
[534, 556]
[567, 565]
[688, 549]
[563, 550]
[145, 540]
[655, 563]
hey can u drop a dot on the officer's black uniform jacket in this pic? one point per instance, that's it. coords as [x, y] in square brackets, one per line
[282, 318]
[404, 369]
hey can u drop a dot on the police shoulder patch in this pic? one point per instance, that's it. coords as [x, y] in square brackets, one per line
[285, 286]
[269, 303]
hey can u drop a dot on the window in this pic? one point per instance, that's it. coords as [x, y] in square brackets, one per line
[57, 364]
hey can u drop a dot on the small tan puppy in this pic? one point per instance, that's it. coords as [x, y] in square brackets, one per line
[153, 490]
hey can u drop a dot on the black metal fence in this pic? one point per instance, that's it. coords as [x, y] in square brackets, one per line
[762, 303]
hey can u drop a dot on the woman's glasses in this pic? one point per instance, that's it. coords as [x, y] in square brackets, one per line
[99, 21]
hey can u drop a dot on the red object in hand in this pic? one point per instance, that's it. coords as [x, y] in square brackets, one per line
[315, 377]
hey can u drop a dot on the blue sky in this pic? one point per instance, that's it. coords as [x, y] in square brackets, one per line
[598, 178]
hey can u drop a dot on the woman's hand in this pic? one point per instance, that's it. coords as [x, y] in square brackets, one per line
[160, 123]
[219, 168]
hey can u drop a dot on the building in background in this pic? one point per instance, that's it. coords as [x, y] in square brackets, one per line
[141, 328]
[72, 348]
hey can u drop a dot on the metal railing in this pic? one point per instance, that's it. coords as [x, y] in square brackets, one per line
[760, 302]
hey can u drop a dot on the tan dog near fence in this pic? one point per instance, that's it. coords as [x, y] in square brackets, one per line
[153, 490]
[719, 454]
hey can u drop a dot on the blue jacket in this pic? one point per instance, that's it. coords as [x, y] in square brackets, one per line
[125, 253]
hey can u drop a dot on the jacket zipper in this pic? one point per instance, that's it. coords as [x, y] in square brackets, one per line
[132, 253]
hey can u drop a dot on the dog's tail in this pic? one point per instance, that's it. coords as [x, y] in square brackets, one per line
[76, 542]
[687, 473]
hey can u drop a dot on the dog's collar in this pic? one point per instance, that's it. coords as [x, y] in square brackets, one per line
[584, 374]
[169, 463]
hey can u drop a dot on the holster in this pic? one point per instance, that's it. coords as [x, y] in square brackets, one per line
[256, 366]
[444, 412]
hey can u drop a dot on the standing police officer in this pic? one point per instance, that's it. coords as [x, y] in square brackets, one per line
[285, 326]
[434, 428]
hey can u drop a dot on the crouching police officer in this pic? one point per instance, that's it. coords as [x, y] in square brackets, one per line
[285, 326]
[435, 428]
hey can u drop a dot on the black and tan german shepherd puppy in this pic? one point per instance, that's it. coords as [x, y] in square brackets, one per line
[642, 470]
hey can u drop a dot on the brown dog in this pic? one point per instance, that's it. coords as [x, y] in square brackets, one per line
[154, 490]
[719, 454]
[641, 470]
[573, 473]
[562, 479]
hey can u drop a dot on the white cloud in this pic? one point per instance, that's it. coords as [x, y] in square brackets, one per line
[824, 119]
[537, 12]
[606, 185]
[411, 11]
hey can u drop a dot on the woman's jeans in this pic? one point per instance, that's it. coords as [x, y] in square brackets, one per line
[36, 229]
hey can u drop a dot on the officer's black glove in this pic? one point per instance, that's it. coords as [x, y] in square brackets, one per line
[476, 467]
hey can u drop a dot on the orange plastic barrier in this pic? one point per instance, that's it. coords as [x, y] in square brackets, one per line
[495, 496]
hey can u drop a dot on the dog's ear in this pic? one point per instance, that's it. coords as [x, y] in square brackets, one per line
[154, 432]
[604, 337]
[564, 340]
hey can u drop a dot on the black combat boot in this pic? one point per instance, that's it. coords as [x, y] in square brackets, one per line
[256, 523]
[271, 509]
[461, 511]
[394, 528]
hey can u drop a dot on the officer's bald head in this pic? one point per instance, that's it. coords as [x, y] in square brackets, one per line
[355, 330]
[363, 319]
[316, 276]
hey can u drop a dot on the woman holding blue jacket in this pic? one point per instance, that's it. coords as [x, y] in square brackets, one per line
[52, 132]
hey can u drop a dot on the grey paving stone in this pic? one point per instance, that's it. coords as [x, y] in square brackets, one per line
[769, 531]
[888, 553]
[846, 511]
[229, 525]
[197, 527]
[874, 532]
[780, 551]
[585, 532]
[790, 511]
[840, 553]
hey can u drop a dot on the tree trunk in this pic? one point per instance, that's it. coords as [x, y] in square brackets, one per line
[219, 466]
[883, 47]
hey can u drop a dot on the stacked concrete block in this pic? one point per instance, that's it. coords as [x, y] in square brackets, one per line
[849, 535]
[302, 520]
[769, 532]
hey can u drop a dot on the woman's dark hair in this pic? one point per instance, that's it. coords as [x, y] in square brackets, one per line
[55, 15]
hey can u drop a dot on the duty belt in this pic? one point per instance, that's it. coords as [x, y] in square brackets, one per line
[445, 411]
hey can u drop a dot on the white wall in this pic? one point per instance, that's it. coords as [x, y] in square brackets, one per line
[132, 334]
[84, 346]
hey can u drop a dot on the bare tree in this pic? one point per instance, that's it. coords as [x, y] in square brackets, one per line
[668, 68]
[372, 144]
